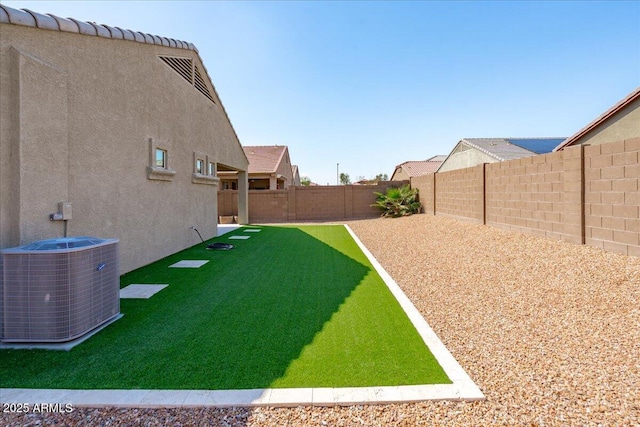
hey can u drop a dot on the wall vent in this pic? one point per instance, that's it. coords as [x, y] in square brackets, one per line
[190, 72]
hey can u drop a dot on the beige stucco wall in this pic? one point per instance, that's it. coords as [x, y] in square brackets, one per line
[625, 124]
[466, 159]
[77, 114]
[400, 175]
[284, 169]
[295, 177]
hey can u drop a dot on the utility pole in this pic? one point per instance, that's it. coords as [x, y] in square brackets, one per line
[338, 174]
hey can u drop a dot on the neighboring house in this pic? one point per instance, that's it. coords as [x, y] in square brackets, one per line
[269, 169]
[470, 152]
[407, 170]
[296, 175]
[622, 121]
[125, 128]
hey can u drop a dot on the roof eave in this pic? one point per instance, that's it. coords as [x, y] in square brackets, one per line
[602, 118]
[482, 150]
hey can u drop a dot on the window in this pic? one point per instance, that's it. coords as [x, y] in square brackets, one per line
[161, 158]
[159, 161]
[200, 174]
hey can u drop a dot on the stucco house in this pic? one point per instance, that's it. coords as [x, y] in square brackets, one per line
[407, 170]
[295, 173]
[269, 169]
[121, 132]
[470, 152]
[620, 122]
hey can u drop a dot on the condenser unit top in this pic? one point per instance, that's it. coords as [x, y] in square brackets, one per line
[63, 243]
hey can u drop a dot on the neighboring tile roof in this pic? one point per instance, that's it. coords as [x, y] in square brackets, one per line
[603, 117]
[29, 18]
[421, 167]
[264, 158]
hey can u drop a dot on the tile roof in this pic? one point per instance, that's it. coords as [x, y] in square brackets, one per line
[30, 18]
[603, 117]
[264, 158]
[421, 167]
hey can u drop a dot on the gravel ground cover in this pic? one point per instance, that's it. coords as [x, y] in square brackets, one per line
[549, 331]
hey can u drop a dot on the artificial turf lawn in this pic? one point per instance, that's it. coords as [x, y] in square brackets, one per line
[289, 307]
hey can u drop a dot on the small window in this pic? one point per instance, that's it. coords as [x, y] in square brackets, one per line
[159, 167]
[161, 158]
[203, 170]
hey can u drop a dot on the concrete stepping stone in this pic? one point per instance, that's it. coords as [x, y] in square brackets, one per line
[140, 291]
[189, 264]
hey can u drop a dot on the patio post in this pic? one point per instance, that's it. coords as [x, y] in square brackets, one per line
[243, 197]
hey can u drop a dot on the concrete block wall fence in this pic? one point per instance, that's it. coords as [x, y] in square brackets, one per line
[582, 194]
[313, 203]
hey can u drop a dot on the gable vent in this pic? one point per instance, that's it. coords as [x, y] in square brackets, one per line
[190, 72]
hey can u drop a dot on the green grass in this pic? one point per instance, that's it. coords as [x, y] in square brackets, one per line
[290, 307]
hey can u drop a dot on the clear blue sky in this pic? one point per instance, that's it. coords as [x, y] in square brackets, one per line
[370, 85]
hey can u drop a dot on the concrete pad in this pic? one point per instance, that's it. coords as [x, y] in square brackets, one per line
[239, 237]
[189, 264]
[140, 291]
[252, 230]
[226, 228]
[64, 346]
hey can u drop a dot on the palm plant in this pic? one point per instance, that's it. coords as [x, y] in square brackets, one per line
[398, 201]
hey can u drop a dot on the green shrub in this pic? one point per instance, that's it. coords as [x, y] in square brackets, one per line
[398, 202]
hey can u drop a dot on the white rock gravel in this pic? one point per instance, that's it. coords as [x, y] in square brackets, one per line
[550, 332]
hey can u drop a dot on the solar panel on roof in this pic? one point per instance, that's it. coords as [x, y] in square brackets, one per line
[537, 145]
